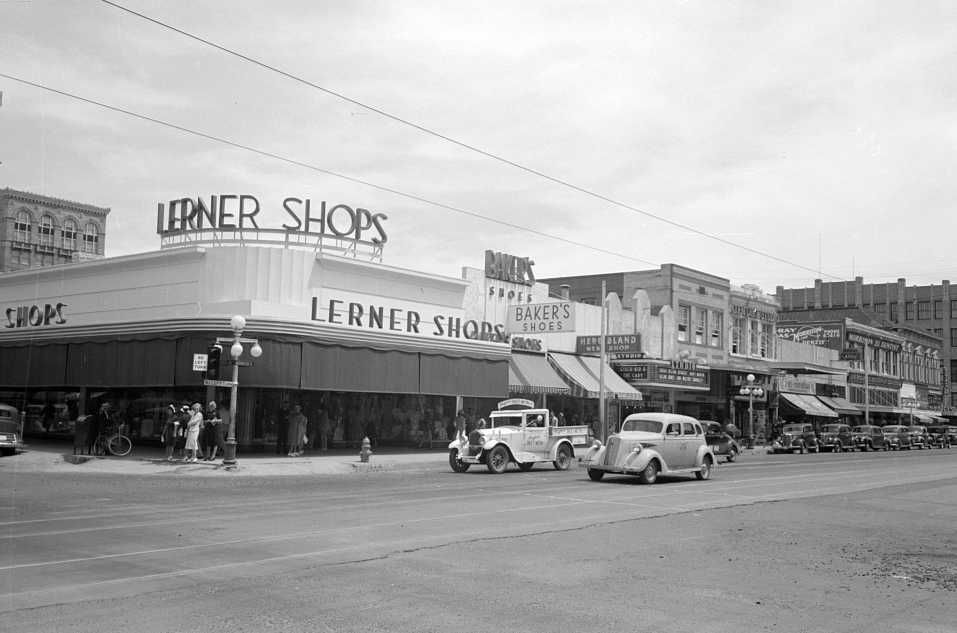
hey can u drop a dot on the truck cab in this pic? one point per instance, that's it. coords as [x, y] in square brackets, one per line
[518, 433]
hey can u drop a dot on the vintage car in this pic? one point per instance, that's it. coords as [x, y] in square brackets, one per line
[896, 437]
[868, 437]
[938, 436]
[952, 435]
[720, 440]
[918, 436]
[524, 436]
[652, 444]
[10, 436]
[836, 438]
[796, 438]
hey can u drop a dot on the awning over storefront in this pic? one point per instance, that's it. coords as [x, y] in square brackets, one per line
[531, 373]
[809, 404]
[840, 405]
[806, 368]
[584, 373]
[924, 418]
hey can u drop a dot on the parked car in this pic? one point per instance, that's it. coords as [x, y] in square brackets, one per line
[868, 437]
[796, 438]
[938, 436]
[9, 429]
[952, 435]
[918, 436]
[836, 438]
[720, 440]
[897, 437]
[650, 444]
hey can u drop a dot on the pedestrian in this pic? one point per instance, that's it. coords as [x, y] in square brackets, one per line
[325, 430]
[221, 428]
[192, 432]
[297, 431]
[282, 430]
[182, 419]
[99, 423]
[170, 431]
[460, 426]
[210, 431]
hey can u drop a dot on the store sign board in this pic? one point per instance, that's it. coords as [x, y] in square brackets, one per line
[614, 344]
[505, 267]
[35, 315]
[753, 312]
[829, 335]
[527, 344]
[541, 318]
[240, 211]
[677, 375]
[873, 341]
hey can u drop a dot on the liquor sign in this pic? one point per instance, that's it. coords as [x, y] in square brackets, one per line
[540, 318]
[614, 344]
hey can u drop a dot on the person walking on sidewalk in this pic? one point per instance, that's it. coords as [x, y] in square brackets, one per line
[297, 429]
[210, 432]
[192, 432]
[170, 429]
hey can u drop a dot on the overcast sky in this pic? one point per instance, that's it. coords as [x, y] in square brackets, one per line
[823, 133]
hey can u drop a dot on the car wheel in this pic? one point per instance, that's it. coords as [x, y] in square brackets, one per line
[525, 466]
[497, 460]
[838, 448]
[595, 475]
[564, 458]
[705, 472]
[732, 454]
[457, 465]
[650, 474]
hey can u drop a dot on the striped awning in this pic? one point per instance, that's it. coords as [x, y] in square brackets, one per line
[583, 372]
[809, 404]
[840, 405]
[531, 373]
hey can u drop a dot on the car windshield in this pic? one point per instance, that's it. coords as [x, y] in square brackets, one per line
[650, 426]
[832, 428]
[506, 420]
[915, 429]
[793, 428]
[892, 429]
[862, 429]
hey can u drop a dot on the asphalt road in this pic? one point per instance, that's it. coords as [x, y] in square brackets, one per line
[830, 543]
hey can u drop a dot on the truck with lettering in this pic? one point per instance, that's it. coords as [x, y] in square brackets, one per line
[524, 436]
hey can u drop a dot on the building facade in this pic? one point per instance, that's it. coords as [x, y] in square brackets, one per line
[40, 231]
[929, 308]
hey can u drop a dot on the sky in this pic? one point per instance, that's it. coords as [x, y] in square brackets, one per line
[821, 135]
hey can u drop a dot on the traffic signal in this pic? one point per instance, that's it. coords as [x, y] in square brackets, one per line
[213, 356]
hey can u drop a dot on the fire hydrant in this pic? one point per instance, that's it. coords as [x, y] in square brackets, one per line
[366, 450]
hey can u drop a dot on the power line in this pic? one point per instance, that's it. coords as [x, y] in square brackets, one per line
[462, 144]
[298, 163]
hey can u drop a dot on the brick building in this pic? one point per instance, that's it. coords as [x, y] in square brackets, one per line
[38, 231]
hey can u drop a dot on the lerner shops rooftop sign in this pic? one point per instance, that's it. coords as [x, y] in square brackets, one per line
[336, 226]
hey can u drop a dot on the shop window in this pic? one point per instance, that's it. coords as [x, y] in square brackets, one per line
[21, 227]
[68, 235]
[717, 322]
[700, 326]
[684, 322]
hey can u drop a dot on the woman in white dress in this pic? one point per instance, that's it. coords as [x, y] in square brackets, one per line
[192, 432]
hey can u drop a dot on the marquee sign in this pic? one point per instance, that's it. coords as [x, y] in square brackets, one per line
[663, 374]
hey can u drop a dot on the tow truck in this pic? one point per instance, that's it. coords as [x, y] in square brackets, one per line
[519, 433]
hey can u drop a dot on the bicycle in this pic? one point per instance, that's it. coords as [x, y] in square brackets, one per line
[112, 442]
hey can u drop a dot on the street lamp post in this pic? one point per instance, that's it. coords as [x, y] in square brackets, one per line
[751, 390]
[237, 324]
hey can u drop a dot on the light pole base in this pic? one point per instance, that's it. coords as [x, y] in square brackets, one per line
[229, 455]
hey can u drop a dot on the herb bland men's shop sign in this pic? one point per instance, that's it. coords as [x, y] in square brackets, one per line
[625, 344]
[35, 315]
[399, 319]
[239, 211]
[541, 317]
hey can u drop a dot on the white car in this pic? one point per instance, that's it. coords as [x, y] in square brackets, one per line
[650, 444]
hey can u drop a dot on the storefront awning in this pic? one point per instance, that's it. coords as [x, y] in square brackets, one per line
[810, 405]
[584, 372]
[840, 405]
[531, 373]
[806, 368]
[925, 418]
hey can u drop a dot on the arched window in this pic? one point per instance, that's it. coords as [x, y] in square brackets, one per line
[91, 238]
[21, 227]
[45, 231]
[69, 234]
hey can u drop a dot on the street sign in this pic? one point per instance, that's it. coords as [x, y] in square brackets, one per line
[241, 363]
[218, 383]
[199, 362]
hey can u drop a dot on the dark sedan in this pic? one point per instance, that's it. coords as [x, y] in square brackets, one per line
[720, 440]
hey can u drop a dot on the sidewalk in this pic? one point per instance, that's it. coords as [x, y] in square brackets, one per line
[57, 457]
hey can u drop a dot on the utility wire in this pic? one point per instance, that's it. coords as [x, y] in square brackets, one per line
[299, 163]
[462, 144]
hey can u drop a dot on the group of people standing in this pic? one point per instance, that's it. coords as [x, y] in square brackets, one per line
[198, 436]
